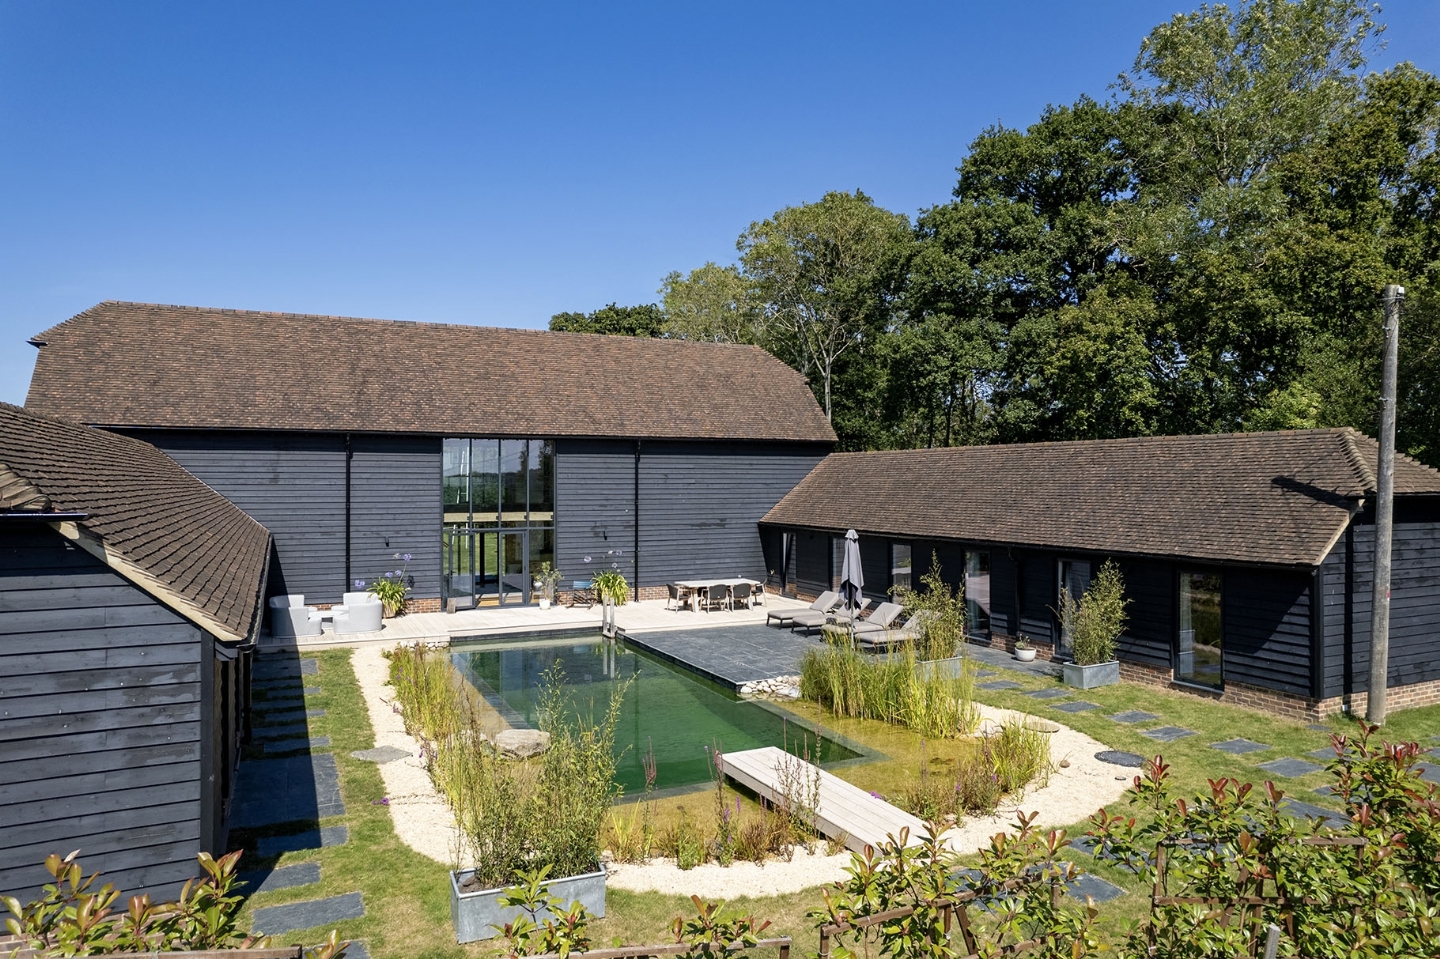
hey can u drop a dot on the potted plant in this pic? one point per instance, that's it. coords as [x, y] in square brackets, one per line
[1024, 651]
[547, 578]
[1095, 623]
[391, 588]
[613, 591]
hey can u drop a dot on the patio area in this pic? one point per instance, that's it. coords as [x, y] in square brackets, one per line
[633, 618]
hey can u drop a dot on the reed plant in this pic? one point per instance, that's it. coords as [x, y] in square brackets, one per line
[896, 688]
[515, 816]
[943, 629]
[1011, 759]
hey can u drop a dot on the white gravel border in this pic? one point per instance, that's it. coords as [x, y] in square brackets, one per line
[425, 823]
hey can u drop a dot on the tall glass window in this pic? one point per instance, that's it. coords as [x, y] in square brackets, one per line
[1074, 582]
[901, 568]
[1200, 651]
[499, 504]
[977, 593]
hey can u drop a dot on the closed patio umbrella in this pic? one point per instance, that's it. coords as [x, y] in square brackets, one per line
[852, 577]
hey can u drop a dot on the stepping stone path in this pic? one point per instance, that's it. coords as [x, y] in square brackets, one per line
[311, 690]
[1000, 684]
[281, 920]
[1290, 768]
[1134, 716]
[285, 877]
[1320, 728]
[1078, 706]
[1052, 692]
[1323, 791]
[1117, 757]
[284, 668]
[357, 950]
[291, 745]
[1326, 754]
[311, 839]
[1430, 772]
[982, 673]
[1093, 886]
[1237, 747]
[1168, 734]
[273, 791]
[380, 754]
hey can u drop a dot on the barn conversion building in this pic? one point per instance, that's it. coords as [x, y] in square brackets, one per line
[1248, 558]
[480, 453]
[130, 601]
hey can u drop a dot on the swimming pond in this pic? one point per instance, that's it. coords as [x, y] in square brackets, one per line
[667, 709]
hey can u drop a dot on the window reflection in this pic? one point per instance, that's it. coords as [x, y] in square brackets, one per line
[977, 593]
[901, 568]
[1200, 653]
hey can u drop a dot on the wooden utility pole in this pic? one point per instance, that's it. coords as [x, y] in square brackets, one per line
[1384, 513]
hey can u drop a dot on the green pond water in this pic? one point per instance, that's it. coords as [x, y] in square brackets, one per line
[667, 709]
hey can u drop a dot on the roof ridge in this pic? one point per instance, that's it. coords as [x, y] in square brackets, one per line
[1105, 441]
[1363, 471]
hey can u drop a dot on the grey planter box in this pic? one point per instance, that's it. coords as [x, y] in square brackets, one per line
[1088, 677]
[476, 914]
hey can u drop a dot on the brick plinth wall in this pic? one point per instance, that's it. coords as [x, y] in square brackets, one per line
[423, 604]
[1277, 703]
[1044, 652]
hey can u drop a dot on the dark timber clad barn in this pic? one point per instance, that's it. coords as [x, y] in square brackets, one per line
[129, 601]
[479, 452]
[1247, 558]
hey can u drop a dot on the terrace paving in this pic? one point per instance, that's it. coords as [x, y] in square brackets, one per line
[730, 655]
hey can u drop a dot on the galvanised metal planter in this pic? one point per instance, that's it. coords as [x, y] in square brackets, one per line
[476, 915]
[1088, 677]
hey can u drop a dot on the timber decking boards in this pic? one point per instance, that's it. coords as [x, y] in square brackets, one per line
[842, 809]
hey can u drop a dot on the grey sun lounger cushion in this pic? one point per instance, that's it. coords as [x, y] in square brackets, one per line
[881, 619]
[823, 603]
[844, 616]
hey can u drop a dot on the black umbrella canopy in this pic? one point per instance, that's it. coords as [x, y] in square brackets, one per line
[852, 577]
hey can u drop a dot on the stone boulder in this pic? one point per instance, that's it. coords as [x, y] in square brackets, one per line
[521, 743]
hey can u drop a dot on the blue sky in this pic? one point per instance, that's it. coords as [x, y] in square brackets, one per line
[491, 164]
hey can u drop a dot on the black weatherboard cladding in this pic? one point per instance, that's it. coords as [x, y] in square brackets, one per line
[100, 722]
[1346, 579]
[594, 508]
[293, 484]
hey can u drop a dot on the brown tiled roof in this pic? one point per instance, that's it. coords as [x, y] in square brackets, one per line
[1280, 498]
[136, 364]
[154, 522]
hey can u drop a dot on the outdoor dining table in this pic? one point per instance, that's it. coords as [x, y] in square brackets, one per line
[696, 585]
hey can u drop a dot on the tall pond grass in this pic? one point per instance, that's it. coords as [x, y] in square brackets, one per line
[514, 815]
[896, 688]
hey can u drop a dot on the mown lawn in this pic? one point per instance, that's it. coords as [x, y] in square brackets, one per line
[407, 895]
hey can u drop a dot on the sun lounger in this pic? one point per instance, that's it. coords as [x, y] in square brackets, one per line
[886, 638]
[823, 604]
[843, 617]
[880, 620]
[813, 618]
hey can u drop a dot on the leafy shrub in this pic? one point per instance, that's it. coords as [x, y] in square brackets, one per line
[1240, 863]
[516, 816]
[1097, 619]
[73, 918]
[944, 624]
[895, 689]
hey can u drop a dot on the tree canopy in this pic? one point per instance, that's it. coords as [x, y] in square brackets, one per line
[1201, 251]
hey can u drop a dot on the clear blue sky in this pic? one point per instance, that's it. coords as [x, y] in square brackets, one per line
[491, 164]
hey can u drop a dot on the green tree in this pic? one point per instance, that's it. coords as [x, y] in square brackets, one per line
[647, 319]
[716, 303]
[828, 275]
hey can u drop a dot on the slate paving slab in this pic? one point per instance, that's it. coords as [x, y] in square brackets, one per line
[270, 791]
[1430, 772]
[292, 731]
[287, 877]
[1077, 706]
[279, 920]
[1000, 684]
[310, 839]
[311, 690]
[1167, 734]
[1326, 754]
[1087, 884]
[285, 668]
[279, 716]
[1323, 791]
[282, 702]
[1304, 810]
[1134, 716]
[381, 754]
[1118, 757]
[1052, 692]
[1320, 728]
[357, 950]
[982, 673]
[730, 655]
[290, 745]
[1289, 767]
[1238, 747]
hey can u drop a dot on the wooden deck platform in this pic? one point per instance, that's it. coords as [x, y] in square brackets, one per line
[842, 809]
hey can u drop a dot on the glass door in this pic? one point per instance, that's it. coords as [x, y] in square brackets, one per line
[460, 582]
[1200, 652]
[514, 570]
